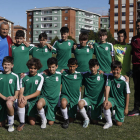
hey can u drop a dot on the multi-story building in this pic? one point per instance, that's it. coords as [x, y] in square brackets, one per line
[123, 15]
[51, 19]
[16, 28]
[11, 25]
[104, 22]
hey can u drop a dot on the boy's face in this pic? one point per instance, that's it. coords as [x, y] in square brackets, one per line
[72, 68]
[64, 36]
[94, 69]
[42, 41]
[7, 66]
[19, 40]
[52, 68]
[121, 38]
[83, 42]
[116, 72]
[103, 38]
[33, 70]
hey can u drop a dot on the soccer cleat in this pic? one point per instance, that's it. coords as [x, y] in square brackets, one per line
[86, 123]
[20, 127]
[43, 124]
[134, 112]
[11, 128]
[107, 125]
[65, 124]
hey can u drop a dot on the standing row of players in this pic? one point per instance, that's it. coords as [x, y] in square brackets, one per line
[71, 80]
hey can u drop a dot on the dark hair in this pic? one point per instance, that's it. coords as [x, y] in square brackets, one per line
[20, 33]
[42, 35]
[122, 32]
[83, 36]
[64, 30]
[102, 32]
[34, 62]
[116, 64]
[72, 61]
[137, 22]
[93, 62]
[8, 59]
[52, 61]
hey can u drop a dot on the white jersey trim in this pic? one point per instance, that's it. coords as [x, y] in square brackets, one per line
[18, 88]
[41, 82]
[112, 51]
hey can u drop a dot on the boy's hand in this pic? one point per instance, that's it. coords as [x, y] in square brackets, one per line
[46, 72]
[127, 78]
[26, 44]
[11, 98]
[13, 44]
[22, 75]
[90, 46]
[101, 72]
[126, 111]
[105, 103]
[49, 46]
[74, 46]
[62, 70]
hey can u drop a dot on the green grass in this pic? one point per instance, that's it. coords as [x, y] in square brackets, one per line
[129, 130]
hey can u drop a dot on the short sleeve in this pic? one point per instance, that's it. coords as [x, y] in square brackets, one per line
[41, 83]
[112, 49]
[127, 88]
[22, 83]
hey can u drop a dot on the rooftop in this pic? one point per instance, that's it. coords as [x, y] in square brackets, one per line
[19, 27]
[6, 19]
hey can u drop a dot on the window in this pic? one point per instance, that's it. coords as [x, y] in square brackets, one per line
[66, 11]
[55, 18]
[123, 22]
[66, 25]
[30, 26]
[116, 14]
[79, 19]
[30, 13]
[36, 19]
[66, 18]
[30, 39]
[104, 26]
[130, 21]
[29, 33]
[55, 11]
[116, 6]
[36, 12]
[131, 30]
[80, 13]
[36, 25]
[36, 39]
[123, 5]
[55, 25]
[116, 22]
[55, 32]
[130, 13]
[131, 5]
[116, 30]
[79, 26]
[105, 20]
[123, 13]
[30, 20]
[36, 32]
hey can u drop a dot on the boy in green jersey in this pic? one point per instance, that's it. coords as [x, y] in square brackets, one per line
[83, 53]
[94, 92]
[30, 89]
[9, 89]
[20, 53]
[122, 52]
[50, 93]
[42, 51]
[116, 95]
[71, 82]
[104, 52]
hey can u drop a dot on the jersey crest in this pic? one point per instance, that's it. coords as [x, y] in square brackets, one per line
[22, 47]
[87, 49]
[69, 43]
[75, 76]
[46, 50]
[36, 82]
[10, 81]
[106, 48]
[118, 85]
[57, 78]
[98, 78]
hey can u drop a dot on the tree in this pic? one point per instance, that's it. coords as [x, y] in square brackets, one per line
[53, 40]
[69, 37]
[110, 37]
[91, 35]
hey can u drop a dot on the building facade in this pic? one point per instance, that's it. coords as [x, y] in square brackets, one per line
[51, 19]
[104, 22]
[123, 15]
[11, 26]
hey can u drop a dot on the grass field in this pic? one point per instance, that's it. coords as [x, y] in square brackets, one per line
[128, 131]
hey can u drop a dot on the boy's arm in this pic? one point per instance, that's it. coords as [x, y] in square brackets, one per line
[54, 47]
[107, 90]
[3, 97]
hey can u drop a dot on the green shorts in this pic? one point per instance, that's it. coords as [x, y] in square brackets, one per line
[119, 111]
[72, 107]
[49, 109]
[96, 110]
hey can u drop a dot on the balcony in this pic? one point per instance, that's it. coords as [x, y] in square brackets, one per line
[46, 25]
[46, 19]
[48, 12]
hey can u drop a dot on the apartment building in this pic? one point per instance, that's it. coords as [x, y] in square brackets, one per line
[123, 15]
[11, 25]
[51, 19]
[104, 22]
[18, 27]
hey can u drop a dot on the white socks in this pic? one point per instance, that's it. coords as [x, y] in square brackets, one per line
[107, 114]
[84, 114]
[65, 113]
[10, 120]
[42, 114]
[21, 114]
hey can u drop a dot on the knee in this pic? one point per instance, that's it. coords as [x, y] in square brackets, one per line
[51, 122]
[21, 105]
[39, 105]
[63, 104]
[81, 104]
[118, 123]
[9, 104]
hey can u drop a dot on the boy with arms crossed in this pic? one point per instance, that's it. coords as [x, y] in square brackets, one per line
[94, 91]
[71, 82]
[31, 86]
[50, 93]
[116, 95]
[9, 89]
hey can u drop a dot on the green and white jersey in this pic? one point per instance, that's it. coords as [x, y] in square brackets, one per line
[31, 84]
[94, 87]
[123, 54]
[118, 90]
[103, 54]
[83, 55]
[51, 87]
[9, 83]
[63, 50]
[71, 83]
[43, 54]
[21, 56]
